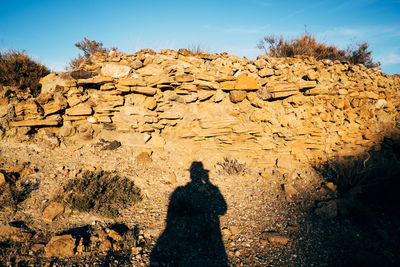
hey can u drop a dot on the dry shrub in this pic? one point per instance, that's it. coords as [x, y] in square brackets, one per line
[232, 166]
[307, 45]
[101, 192]
[88, 47]
[18, 69]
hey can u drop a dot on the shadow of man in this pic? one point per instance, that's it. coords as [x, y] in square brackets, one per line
[192, 236]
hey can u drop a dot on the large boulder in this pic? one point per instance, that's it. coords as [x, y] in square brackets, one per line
[55, 82]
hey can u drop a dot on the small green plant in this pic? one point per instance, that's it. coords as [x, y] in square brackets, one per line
[18, 69]
[308, 45]
[101, 192]
[232, 166]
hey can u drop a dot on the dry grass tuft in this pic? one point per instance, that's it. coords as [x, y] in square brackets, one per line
[101, 192]
[232, 166]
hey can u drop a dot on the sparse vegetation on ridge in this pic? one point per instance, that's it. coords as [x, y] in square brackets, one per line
[307, 45]
[18, 69]
[88, 47]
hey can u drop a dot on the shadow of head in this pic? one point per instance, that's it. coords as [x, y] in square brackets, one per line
[197, 173]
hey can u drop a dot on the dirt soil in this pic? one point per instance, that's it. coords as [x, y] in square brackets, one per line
[259, 217]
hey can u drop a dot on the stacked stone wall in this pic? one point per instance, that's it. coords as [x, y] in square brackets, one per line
[273, 109]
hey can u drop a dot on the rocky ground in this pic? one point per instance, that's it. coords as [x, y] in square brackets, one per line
[272, 217]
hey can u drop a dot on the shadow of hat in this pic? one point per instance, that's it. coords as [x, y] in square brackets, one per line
[197, 166]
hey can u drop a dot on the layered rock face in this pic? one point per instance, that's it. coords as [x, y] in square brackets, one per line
[273, 110]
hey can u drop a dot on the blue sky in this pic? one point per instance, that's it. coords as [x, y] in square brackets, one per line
[47, 30]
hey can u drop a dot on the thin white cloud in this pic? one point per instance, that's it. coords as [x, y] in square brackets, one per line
[390, 59]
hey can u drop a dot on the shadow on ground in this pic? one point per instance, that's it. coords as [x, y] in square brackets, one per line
[192, 236]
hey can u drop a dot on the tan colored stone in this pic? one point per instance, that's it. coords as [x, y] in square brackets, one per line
[244, 82]
[53, 210]
[150, 70]
[219, 96]
[184, 78]
[2, 179]
[53, 120]
[255, 100]
[226, 233]
[79, 110]
[105, 245]
[150, 103]
[159, 79]
[289, 190]
[275, 95]
[331, 186]
[60, 246]
[172, 178]
[274, 237]
[8, 232]
[59, 103]
[28, 109]
[289, 86]
[204, 95]
[107, 87]
[143, 157]
[113, 235]
[237, 96]
[227, 85]
[205, 77]
[371, 95]
[115, 70]
[201, 84]
[317, 91]
[144, 90]
[265, 72]
[131, 82]
[54, 82]
[95, 80]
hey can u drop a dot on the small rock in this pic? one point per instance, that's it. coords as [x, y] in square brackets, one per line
[16, 168]
[234, 230]
[8, 232]
[218, 96]
[80, 248]
[172, 178]
[53, 210]
[136, 251]
[67, 129]
[113, 235]
[105, 245]
[60, 246]
[151, 104]
[2, 179]
[331, 186]
[289, 190]
[226, 233]
[274, 237]
[237, 96]
[143, 157]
